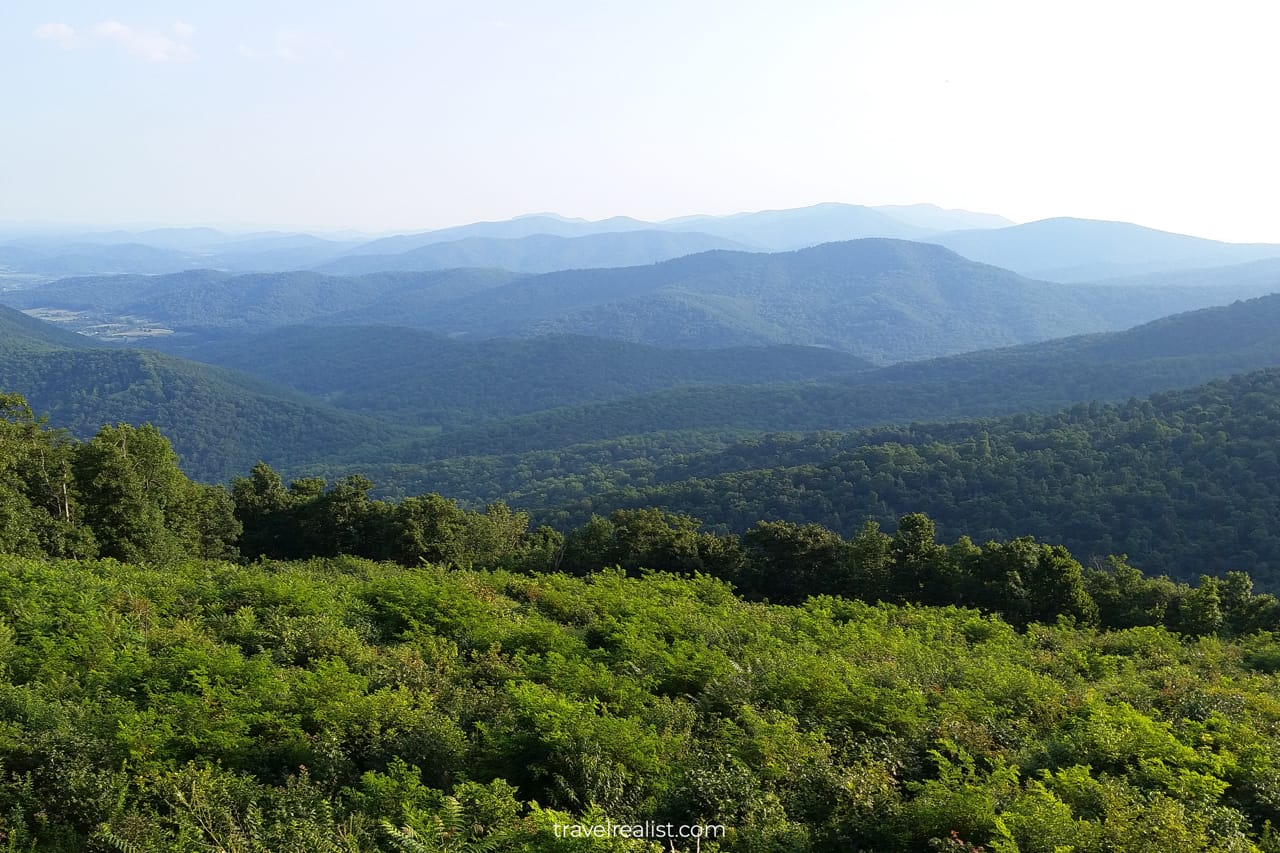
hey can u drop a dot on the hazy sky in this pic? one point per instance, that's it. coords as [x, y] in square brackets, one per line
[392, 115]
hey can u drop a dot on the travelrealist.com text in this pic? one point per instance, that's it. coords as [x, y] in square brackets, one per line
[648, 829]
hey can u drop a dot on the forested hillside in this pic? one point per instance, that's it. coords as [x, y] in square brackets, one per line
[1182, 483]
[1000, 695]
[221, 421]
[207, 299]
[553, 457]
[883, 300]
[575, 440]
[419, 377]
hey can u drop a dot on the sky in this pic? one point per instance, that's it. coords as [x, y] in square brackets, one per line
[392, 115]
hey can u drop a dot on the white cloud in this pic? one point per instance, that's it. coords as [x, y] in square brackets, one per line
[148, 45]
[63, 34]
[286, 46]
[183, 30]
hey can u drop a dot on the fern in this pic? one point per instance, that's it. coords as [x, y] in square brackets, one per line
[450, 833]
[115, 842]
[406, 839]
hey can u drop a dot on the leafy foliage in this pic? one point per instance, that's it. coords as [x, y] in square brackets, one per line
[418, 377]
[344, 705]
[900, 694]
[1182, 483]
[220, 421]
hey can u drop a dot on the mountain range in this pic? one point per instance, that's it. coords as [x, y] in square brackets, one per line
[538, 252]
[220, 421]
[878, 299]
[541, 459]
[1078, 250]
[1062, 249]
[550, 387]
[423, 378]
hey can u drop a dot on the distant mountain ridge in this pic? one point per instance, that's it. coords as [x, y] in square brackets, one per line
[1079, 250]
[879, 299]
[1060, 249]
[166, 250]
[537, 252]
[769, 230]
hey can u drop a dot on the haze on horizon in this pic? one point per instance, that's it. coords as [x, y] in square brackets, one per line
[396, 115]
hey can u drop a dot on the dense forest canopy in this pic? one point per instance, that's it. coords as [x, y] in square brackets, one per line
[341, 704]
[541, 459]
[476, 590]
[952, 636]
[1182, 482]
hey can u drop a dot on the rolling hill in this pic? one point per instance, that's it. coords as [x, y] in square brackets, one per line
[421, 377]
[221, 422]
[537, 252]
[882, 300]
[1077, 250]
[1185, 482]
[550, 457]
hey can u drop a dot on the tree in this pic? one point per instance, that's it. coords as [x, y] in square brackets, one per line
[262, 506]
[788, 562]
[19, 435]
[1029, 582]
[870, 561]
[337, 521]
[429, 529]
[638, 539]
[918, 574]
[136, 498]
[1200, 612]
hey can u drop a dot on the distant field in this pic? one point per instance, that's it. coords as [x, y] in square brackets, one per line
[94, 325]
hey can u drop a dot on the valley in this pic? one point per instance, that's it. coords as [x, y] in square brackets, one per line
[574, 392]
[909, 523]
[507, 427]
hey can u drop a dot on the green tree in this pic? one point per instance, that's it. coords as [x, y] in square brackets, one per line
[1200, 612]
[262, 506]
[136, 498]
[919, 563]
[788, 562]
